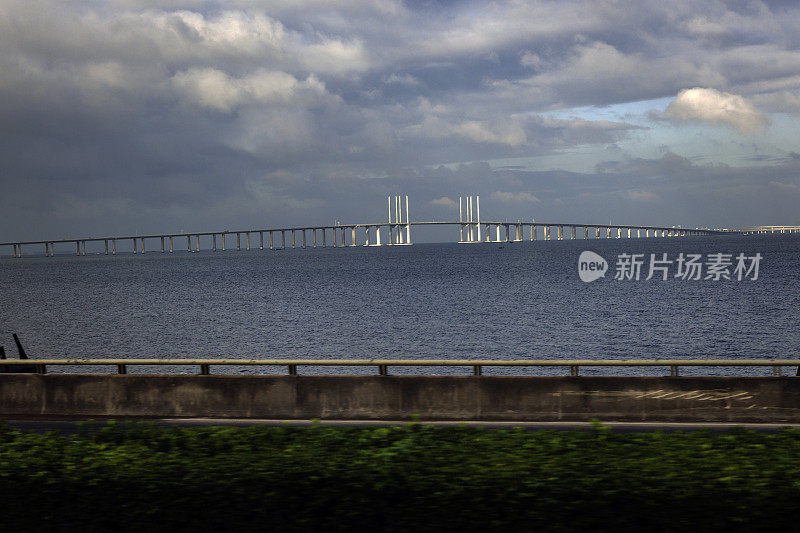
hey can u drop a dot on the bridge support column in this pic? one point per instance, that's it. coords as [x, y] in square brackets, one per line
[189, 243]
[353, 235]
[223, 242]
[585, 233]
[197, 243]
[105, 241]
[283, 239]
[162, 245]
[399, 235]
[113, 246]
[596, 233]
[572, 232]
[247, 239]
[260, 240]
[324, 238]
[214, 242]
[134, 245]
[143, 250]
[170, 244]
[560, 233]
[619, 233]
[293, 239]
[271, 244]
[238, 242]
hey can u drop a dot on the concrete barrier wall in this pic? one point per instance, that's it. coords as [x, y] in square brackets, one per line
[746, 399]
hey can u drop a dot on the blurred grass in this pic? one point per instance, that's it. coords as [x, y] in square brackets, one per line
[135, 477]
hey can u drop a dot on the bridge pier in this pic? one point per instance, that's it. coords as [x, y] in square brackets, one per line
[292, 238]
[170, 244]
[223, 242]
[162, 245]
[197, 243]
[324, 238]
[283, 239]
[585, 233]
[214, 242]
[114, 247]
[247, 238]
[238, 242]
[271, 243]
[560, 233]
[189, 243]
[260, 240]
[353, 235]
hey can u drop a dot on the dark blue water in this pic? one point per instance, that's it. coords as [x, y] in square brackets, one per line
[516, 301]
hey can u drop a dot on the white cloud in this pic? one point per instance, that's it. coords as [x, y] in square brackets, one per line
[212, 88]
[515, 197]
[640, 195]
[402, 79]
[788, 187]
[444, 201]
[716, 107]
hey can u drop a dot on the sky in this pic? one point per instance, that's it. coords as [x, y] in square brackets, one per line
[154, 116]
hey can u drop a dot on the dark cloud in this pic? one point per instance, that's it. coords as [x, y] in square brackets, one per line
[118, 116]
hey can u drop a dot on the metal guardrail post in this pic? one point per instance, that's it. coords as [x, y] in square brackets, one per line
[205, 370]
[573, 370]
[122, 369]
[776, 370]
[476, 370]
[292, 370]
[673, 371]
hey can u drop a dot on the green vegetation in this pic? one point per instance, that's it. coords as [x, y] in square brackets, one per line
[134, 477]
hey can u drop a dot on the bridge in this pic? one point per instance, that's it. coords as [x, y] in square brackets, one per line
[756, 230]
[396, 231]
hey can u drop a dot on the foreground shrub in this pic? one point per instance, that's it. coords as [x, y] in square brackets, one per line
[416, 477]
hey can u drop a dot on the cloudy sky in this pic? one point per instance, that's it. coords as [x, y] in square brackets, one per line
[158, 116]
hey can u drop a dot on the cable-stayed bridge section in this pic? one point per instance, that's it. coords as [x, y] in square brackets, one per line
[395, 231]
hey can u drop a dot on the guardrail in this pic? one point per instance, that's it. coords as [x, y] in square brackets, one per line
[39, 366]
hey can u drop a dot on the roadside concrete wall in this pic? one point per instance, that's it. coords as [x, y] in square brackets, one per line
[746, 399]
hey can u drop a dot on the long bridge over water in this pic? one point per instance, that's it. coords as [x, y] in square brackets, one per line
[396, 231]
